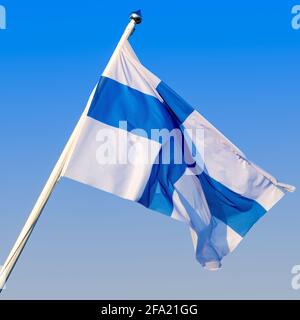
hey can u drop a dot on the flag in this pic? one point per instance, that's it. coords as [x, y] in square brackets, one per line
[141, 141]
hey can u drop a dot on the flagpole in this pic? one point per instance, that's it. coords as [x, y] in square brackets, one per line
[54, 177]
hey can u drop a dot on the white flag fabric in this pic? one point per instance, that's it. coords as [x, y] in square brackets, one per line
[130, 145]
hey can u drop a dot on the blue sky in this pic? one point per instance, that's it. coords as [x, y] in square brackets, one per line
[237, 63]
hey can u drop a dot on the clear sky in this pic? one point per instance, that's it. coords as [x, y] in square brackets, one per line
[236, 62]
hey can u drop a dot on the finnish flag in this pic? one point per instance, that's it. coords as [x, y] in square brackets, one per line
[143, 142]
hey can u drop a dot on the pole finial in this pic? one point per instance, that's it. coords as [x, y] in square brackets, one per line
[136, 16]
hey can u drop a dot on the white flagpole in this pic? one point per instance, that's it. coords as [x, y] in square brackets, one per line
[19, 245]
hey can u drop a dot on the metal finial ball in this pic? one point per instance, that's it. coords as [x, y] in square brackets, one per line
[136, 16]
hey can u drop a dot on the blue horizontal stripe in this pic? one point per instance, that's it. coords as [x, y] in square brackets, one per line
[236, 211]
[114, 102]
